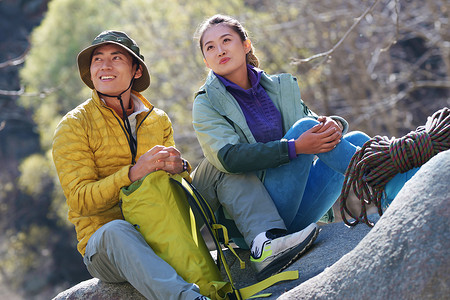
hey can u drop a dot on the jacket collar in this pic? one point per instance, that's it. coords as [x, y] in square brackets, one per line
[225, 104]
[143, 105]
[213, 86]
[268, 82]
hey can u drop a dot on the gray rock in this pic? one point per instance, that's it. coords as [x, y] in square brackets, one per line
[405, 256]
[98, 290]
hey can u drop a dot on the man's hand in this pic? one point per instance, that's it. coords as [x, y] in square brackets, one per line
[174, 163]
[157, 158]
[321, 138]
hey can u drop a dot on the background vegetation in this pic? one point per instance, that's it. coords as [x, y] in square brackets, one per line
[383, 65]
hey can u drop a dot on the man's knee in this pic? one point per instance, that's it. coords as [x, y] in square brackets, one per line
[116, 225]
[114, 231]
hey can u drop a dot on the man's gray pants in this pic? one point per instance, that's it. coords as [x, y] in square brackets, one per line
[117, 252]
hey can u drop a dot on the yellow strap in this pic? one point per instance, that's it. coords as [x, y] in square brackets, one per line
[227, 243]
[225, 265]
[241, 262]
[193, 226]
[260, 296]
[224, 230]
[188, 188]
[251, 290]
[219, 290]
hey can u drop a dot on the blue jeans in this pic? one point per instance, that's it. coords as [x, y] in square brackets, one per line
[305, 189]
[394, 186]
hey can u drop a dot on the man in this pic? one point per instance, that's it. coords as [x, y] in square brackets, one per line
[106, 143]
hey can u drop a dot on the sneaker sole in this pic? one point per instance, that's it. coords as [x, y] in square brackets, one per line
[290, 257]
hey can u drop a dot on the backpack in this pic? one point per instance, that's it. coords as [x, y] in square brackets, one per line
[161, 207]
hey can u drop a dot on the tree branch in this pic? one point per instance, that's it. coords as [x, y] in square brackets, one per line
[21, 92]
[397, 30]
[13, 93]
[326, 54]
[390, 101]
[15, 61]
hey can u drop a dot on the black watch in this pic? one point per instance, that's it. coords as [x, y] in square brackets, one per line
[185, 165]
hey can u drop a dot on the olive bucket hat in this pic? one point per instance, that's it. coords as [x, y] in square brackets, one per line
[121, 39]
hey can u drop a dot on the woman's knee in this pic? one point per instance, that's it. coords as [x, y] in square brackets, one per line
[357, 138]
[306, 123]
[300, 127]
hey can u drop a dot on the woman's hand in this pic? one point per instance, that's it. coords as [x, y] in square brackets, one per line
[157, 158]
[327, 121]
[321, 138]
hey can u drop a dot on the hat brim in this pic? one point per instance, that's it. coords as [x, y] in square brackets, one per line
[84, 62]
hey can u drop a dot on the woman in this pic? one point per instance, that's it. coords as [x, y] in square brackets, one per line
[260, 142]
[263, 145]
[247, 121]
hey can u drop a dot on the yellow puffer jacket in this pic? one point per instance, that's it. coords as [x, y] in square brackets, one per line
[92, 158]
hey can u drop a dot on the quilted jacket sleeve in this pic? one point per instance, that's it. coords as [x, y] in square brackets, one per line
[86, 193]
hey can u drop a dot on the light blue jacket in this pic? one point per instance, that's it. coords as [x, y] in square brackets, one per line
[223, 133]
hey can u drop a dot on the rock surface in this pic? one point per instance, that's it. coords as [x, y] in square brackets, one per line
[98, 290]
[405, 256]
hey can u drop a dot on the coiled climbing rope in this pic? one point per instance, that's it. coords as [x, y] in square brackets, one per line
[381, 158]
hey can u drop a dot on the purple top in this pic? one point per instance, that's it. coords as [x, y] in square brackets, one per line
[262, 116]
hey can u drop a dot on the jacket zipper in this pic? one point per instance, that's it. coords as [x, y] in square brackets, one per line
[133, 155]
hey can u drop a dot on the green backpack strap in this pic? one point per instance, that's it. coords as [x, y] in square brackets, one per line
[227, 290]
[197, 202]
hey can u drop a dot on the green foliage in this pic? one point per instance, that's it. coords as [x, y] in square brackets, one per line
[23, 254]
[51, 65]
[35, 170]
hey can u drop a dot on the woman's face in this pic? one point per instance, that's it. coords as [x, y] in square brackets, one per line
[223, 50]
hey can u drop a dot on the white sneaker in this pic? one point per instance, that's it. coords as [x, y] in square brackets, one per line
[279, 253]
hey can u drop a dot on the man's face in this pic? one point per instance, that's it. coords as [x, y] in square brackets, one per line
[112, 69]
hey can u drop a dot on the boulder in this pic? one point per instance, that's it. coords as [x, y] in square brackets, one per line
[99, 290]
[405, 255]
